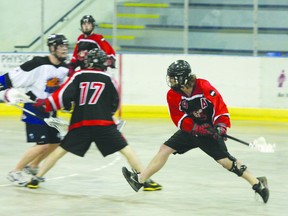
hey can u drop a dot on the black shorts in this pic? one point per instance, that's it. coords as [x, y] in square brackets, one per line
[42, 134]
[107, 139]
[182, 142]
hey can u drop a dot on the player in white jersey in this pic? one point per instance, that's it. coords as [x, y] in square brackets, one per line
[39, 77]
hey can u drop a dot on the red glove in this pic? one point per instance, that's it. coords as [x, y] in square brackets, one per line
[40, 104]
[202, 130]
[111, 62]
[220, 131]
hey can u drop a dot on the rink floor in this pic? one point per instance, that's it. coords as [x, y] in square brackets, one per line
[193, 184]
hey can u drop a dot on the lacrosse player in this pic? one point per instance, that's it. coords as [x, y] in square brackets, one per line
[95, 97]
[202, 117]
[39, 77]
[87, 41]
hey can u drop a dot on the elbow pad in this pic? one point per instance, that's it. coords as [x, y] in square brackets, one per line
[5, 82]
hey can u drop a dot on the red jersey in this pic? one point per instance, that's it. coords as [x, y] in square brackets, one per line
[90, 42]
[205, 105]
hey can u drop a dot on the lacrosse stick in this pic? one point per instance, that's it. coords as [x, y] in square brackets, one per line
[59, 124]
[258, 144]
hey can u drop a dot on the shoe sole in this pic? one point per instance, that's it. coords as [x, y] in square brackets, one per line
[152, 189]
[32, 186]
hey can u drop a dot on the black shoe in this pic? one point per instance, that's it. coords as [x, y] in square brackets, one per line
[132, 179]
[34, 182]
[262, 188]
[150, 185]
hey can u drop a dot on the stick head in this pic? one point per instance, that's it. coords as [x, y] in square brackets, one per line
[60, 125]
[261, 145]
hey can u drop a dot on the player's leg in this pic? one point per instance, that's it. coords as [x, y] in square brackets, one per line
[259, 184]
[49, 162]
[76, 141]
[156, 163]
[132, 158]
[33, 166]
[218, 150]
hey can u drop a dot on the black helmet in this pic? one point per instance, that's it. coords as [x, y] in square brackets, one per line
[57, 39]
[89, 19]
[96, 58]
[179, 70]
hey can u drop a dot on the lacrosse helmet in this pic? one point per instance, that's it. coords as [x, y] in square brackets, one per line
[96, 58]
[56, 39]
[180, 72]
[88, 19]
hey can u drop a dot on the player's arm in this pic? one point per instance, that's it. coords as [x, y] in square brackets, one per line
[115, 99]
[108, 49]
[180, 119]
[221, 113]
[62, 97]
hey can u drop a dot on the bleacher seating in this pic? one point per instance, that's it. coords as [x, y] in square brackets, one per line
[215, 27]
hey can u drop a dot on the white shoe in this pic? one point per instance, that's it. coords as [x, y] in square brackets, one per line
[30, 171]
[17, 178]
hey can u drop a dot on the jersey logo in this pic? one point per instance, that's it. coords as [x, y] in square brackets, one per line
[203, 103]
[52, 85]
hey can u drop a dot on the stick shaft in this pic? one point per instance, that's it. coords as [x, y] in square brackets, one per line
[28, 111]
[238, 140]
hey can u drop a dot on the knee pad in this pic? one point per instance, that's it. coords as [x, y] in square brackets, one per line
[235, 169]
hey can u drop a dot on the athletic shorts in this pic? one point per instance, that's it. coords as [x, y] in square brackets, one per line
[182, 142]
[42, 134]
[107, 139]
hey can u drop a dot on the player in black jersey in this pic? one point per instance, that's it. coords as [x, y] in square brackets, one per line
[38, 78]
[95, 97]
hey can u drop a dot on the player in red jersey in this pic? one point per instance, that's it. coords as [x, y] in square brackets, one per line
[90, 40]
[201, 115]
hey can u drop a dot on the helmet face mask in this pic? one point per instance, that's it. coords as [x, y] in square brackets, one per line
[87, 19]
[178, 74]
[96, 58]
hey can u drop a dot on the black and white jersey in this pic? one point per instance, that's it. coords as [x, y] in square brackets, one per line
[40, 77]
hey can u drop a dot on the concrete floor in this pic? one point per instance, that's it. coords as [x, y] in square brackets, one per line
[193, 184]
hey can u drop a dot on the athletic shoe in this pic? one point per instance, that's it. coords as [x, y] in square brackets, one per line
[31, 171]
[132, 179]
[17, 178]
[34, 182]
[262, 188]
[150, 185]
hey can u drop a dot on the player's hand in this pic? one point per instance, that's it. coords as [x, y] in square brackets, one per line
[202, 130]
[14, 96]
[40, 104]
[220, 131]
[111, 62]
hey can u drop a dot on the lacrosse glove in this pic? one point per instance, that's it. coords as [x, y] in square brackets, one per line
[220, 131]
[202, 130]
